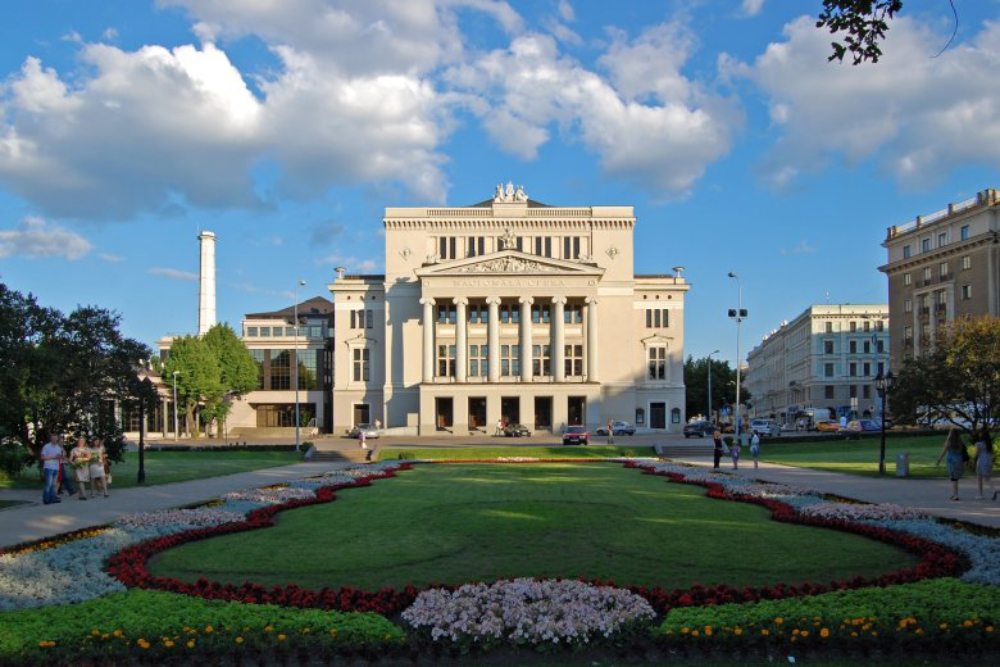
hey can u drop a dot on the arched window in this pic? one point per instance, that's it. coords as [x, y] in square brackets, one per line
[675, 416]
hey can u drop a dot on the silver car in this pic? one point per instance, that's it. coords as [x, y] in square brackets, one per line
[369, 430]
[766, 427]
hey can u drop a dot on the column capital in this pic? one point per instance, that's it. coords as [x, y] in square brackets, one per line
[427, 301]
[526, 300]
[460, 301]
[493, 300]
[559, 299]
[590, 299]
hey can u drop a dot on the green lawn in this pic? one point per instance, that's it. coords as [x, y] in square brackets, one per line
[860, 457]
[495, 451]
[459, 523]
[164, 467]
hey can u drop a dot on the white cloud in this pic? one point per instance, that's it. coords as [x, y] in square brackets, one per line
[752, 7]
[917, 116]
[109, 34]
[172, 274]
[646, 120]
[111, 258]
[72, 36]
[352, 264]
[566, 11]
[803, 248]
[36, 239]
[253, 289]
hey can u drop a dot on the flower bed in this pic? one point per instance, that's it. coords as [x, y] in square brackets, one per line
[205, 516]
[851, 512]
[526, 611]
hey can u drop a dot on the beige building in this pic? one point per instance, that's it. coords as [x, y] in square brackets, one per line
[942, 266]
[822, 363]
[508, 309]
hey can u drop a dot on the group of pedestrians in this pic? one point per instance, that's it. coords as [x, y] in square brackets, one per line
[85, 463]
[749, 440]
[956, 456]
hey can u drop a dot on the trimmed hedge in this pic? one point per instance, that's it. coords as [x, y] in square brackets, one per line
[157, 625]
[839, 437]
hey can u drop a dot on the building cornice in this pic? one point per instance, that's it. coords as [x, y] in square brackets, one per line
[950, 250]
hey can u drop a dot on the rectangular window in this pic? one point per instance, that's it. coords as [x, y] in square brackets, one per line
[573, 360]
[880, 347]
[446, 361]
[927, 274]
[541, 313]
[475, 246]
[867, 325]
[828, 391]
[964, 233]
[251, 332]
[880, 326]
[543, 246]
[657, 363]
[942, 240]
[908, 306]
[907, 279]
[649, 319]
[966, 292]
[866, 391]
[867, 368]
[258, 358]
[308, 369]
[853, 347]
[281, 370]
[881, 368]
[362, 364]
[828, 347]
[908, 333]
[571, 247]
[867, 347]
[966, 263]
[829, 327]
[925, 245]
[854, 390]
[942, 298]
[369, 319]
[906, 252]
[541, 360]
[852, 369]
[265, 332]
[828, 370]
[510, 360]
[854, 327]
[447, 314]
[943, 269]
[573, 314]
[479, 361]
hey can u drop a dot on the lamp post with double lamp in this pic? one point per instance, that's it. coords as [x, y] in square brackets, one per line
[295, 344]
[883, 385]
[176, 426]
[710, 386]
[739, 314]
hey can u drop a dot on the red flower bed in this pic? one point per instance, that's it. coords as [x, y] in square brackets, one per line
[129, 565]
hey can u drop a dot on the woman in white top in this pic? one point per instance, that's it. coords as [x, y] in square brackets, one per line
[97, 460]
[984, 463]
[79, 456]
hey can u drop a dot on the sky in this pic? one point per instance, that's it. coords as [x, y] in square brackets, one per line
[286, 127]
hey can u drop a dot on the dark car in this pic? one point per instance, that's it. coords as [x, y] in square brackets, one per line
[516, 431]
[576, 435]
[699, 429]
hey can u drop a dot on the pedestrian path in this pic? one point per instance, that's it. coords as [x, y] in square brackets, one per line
[926, 495]
[37, 521]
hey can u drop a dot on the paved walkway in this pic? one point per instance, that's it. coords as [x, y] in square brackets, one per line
[927, 495]
[23, 524]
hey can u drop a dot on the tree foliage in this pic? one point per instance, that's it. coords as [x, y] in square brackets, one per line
[723, 384]
[236, 365]
[863, 24]
[958, 380]
[199, 375]
[63, 373]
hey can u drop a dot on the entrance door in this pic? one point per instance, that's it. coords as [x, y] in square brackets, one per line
[543, 412]
[576, 410]
[477, 412]
[510, 409]
[657, 415]
[444, 411]
[362, 414]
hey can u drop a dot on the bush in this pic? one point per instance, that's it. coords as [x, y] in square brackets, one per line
[14, 459]
[160, 625]
[406, 456]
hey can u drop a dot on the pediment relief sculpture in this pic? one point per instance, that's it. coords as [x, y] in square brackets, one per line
[507, 265]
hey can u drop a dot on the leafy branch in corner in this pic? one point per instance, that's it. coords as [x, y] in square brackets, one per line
[865, 23]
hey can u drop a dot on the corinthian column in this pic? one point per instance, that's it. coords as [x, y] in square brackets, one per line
[525, 343]
[493, 337]
[428, 305]
[592, 339]
[461, 339]
[558, 339]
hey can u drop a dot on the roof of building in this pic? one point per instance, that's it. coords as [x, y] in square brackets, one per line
[314, 306]
[364, 276]
[488, 203]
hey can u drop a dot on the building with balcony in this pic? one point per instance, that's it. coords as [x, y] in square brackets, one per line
[508, 310]
[823, 363]
[940, 267]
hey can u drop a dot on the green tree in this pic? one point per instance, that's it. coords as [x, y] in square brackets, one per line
[957, 380]
[863, 24]
[723, 385]
[199, 377]
[238, 370]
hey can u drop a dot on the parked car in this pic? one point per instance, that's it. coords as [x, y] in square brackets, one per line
[861, 426]
[576, 435]
[698, 429]
[766, 427]
[369, 430]
[517, 431]
[619, 428]
[828, 426]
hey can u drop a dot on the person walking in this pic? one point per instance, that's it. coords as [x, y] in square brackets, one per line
[51, 457]
[66, 481]
[755, 448]
[955, 456]
[499, 427]
[718, 449]
[79, 458]
[98, 467]
[735, 448]
[984, 463]
[611, 432]
[363, 443]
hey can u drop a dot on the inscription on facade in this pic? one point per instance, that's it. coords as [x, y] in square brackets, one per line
[509, 282]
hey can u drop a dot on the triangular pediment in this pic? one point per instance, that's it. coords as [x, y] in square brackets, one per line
[509, 262]
[656, 339]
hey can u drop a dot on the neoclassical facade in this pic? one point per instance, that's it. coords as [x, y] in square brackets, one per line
[508, 309]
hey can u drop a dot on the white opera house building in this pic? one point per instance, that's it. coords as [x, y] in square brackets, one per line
[508, 309]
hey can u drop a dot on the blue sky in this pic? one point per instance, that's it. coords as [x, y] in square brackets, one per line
[285, 127]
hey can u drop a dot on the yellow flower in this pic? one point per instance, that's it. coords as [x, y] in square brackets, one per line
[779, 620]
[281, 638]
[117, 633]
[967, 624]
[805, 633]
[333, 632]
[95, 632]
[168, 644]
[684, 631]
[765, 632]
[190, 643]
[824, 633]
[239, 640]
[695, 633]
[989, 628]
[708, 630]
[209, 629]
[738, 631]
[268, 628]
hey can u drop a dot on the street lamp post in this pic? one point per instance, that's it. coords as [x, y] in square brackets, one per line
[295, 344]
[883, 385]
[710, 386]
[176, 426]
[739, 314]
